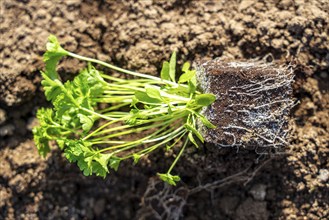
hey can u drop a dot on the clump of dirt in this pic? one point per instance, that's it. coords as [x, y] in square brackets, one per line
[139, 36]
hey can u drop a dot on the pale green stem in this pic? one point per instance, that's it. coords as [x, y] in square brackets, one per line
[111, 129]
[95, 113]
[150, 149]
[113, 67]
[178, 156]
[178, 140]
[103, 126]
[114, 107]
[132, 130]
[123, 70]
[133, 143]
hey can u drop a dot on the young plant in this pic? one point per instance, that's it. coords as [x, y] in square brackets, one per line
[162, 110]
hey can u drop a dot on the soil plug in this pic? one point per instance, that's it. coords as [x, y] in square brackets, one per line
[253, 101]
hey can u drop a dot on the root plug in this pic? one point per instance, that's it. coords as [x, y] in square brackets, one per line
[253, 102]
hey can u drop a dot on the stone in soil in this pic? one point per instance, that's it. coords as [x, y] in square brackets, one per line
[253, 102]
[3, 116]
[258, 192]
[7, 130]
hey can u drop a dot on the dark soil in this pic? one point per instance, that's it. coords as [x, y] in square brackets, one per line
[139, 36]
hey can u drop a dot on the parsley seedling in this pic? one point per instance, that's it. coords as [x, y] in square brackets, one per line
[163, 110]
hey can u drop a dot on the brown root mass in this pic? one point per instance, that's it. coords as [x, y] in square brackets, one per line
[140, 35]
[253, 104]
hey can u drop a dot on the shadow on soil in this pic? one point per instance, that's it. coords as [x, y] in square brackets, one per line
[60, 191]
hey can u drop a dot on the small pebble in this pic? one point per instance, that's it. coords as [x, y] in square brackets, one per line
[3, 116]
[7, 130]
[258, 192]
[323, 175]
[31, 123]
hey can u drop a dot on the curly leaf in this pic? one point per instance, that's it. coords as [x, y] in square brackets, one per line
[168, 178]
[41, 141]
[52, 87]
[53, 54]
[87, 122]
[114, 162]
[89, 161]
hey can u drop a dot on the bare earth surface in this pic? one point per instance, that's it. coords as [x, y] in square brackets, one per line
[139, 36]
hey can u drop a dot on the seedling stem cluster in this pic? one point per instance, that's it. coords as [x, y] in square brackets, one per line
[141, 115]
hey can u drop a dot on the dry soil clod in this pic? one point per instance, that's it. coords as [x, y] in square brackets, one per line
[252, 106]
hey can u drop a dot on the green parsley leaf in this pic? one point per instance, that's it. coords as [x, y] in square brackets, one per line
[115, 162]
[61, 143]
[186, 67]
[99, 170]
[103, 160]
[172, 67]
[165, 71]
[153, 92]
[168, 178]
[144, 98]
[192, 84]
[41, 141]
[186, 76]
[136, 158]
[53, 54]
[179, 90]
[89, 161]
[191, 138]
[194, 131]
[205, 99]
[52, 87]
[205, 121]
[87, 122]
